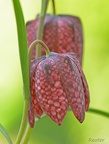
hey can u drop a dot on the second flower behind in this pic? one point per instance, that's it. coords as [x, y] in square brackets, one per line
[62, 33]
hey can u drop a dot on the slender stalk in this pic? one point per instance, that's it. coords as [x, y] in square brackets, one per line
[28, 131]
[100, 112]
[34, 43]
[5, 133]
[23, 52]
[23, 47]
[53, 5]
[26, 135]
[40, 28]
[24, 121]
[96, 111]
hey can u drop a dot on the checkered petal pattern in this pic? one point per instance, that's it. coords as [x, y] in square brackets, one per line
[58, 83]
[62, 33]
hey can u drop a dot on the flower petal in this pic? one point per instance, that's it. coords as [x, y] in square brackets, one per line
[73, 85]
[84, 82]
[31, 28]
[34, 107]
[50, 36]
[34, 63]
[50, 92]
[78, 36]
[31, 114]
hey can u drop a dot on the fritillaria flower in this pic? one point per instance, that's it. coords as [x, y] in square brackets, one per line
[57, 84]
[62, 33]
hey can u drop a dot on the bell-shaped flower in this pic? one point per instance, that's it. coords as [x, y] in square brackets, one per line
[62, 33]
[57, 84]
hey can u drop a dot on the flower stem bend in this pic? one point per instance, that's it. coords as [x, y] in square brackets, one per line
[33, 44]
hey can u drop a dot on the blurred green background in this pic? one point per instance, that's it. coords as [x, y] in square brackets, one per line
[95, 19]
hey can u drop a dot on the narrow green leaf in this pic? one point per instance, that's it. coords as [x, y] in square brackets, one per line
[5, 133]
[23, 47]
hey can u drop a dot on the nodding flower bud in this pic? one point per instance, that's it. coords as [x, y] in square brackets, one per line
[62, 33]
[57, 84]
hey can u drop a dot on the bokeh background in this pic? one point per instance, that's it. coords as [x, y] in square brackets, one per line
[95, 20]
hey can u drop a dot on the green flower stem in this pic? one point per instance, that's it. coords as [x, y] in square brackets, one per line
[23, 46]
[53, 5]
[40, 28]
[100, 112]
[23, 53]
[34, 43]
[96, 111]
[5, 133]
[26, 135]
[28, 131]
[24, 121]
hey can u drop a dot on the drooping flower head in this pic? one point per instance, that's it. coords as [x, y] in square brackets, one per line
[57, 84]
[62, 33]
